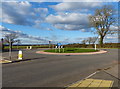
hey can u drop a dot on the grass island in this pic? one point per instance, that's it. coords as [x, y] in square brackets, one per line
[70, 50]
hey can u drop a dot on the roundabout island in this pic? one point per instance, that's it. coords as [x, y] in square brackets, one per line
[71, 51]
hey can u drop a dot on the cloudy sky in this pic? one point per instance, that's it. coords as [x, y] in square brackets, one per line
[39, 22]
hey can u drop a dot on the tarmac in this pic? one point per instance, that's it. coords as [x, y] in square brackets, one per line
[6, 60]
[106, 78]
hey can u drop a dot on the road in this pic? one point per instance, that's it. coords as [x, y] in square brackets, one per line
[53, 70]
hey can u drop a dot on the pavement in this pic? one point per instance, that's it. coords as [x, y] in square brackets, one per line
[59, 71]
[103, 78]
[5, 58]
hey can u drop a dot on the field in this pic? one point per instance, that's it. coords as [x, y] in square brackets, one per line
[24, 47]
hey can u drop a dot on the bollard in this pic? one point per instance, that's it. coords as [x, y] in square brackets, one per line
[20, 55]
[62, 47]
[63, 50]
[59, 49]
[30, 47]
[95, 47]
[27, 47]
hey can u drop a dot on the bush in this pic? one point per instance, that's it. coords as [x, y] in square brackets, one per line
[105, 45]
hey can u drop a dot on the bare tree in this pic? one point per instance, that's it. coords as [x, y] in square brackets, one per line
[93, 40]
[10, 39]
[89, 40]
[102, 20]
[84, 41]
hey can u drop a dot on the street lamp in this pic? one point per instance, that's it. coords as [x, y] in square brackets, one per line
[50, 43]
[18, 42]
[10, 49]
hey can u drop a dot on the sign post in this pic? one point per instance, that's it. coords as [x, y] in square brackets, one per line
[62, 48]
[50, 45]
[59, 49]
[59, 44]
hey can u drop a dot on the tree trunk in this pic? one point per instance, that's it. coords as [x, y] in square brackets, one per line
[10, 45]
[101, 41]
[2, 47]
[93, 45]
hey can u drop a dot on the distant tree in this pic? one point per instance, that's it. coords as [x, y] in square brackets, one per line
[89, 40]
[84, 42]
[10, 39]
[93, 40]
[102, 20]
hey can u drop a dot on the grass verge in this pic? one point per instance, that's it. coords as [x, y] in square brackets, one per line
[71, 50]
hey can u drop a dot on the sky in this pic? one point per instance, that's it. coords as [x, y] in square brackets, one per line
[41, 22]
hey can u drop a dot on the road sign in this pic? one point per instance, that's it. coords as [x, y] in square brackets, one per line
[59, 44]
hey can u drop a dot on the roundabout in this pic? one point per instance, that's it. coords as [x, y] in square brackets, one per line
[72, 52]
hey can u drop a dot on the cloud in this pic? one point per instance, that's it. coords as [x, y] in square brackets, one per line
[112, 38]
[65, 0]
[22, 13]
[33, 0]
[75, 20]
[65, 6]
[90, 0]
[69, 21]
[5, 30]
[73, 15]
[22, 36]
[114, 28]
[70, 18]
[82, 28]
[115, 36]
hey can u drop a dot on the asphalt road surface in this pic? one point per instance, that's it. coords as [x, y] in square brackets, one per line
[53, 70]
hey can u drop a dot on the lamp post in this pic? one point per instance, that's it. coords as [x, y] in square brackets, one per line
[10, 48]
[50, 43]
[18, 42]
